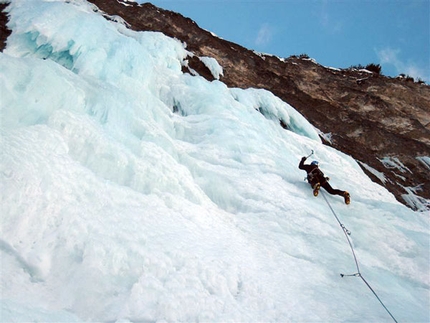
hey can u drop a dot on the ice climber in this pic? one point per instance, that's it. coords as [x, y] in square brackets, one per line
[317, 179]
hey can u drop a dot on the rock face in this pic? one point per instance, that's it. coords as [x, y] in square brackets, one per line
[4, 32]
[384, 123]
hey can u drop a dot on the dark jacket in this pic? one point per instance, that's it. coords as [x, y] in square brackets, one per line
[315, 175]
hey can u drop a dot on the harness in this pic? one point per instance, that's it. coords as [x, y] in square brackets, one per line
[315, 176]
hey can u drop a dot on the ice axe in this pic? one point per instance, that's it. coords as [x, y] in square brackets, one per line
[312, 152]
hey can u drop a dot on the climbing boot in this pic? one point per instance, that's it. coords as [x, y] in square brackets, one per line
[347, 197]
[316, 189]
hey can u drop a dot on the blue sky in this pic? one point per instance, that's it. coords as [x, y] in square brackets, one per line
[393, 33]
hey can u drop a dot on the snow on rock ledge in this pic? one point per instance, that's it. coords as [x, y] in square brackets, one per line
[212, 64]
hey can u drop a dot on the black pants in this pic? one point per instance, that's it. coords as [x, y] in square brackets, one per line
[332, 190]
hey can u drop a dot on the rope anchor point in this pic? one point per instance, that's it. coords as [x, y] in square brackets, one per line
[351, 275]
[358, 273]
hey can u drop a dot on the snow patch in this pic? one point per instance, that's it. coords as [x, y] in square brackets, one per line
[394, 163]
[326, 136]
[373, 171]
[312, 60]
[425, 160]
[119, 20]
[415, 201]
[127, 2]
[213, 65]
[333, 68]
[363, 70]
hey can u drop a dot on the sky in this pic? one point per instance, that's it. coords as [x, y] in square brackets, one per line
[393, 33]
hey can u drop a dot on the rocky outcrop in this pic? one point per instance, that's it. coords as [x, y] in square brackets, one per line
[382, 122]
[4, 31]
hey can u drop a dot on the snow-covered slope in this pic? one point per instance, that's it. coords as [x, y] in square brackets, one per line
[133, 192]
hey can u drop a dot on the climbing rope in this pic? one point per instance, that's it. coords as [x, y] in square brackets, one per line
[358, 273]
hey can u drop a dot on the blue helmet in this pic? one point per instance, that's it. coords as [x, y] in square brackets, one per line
[315, 162]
